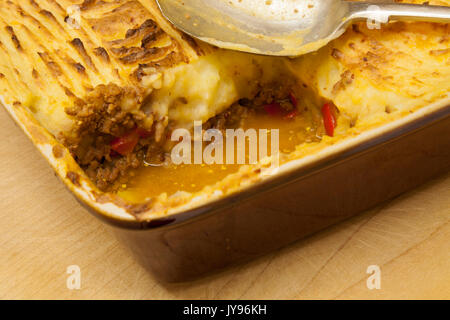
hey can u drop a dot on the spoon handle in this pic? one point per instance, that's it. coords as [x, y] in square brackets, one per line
[385, 12]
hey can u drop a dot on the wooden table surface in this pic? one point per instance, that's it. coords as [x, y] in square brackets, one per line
[44, 230]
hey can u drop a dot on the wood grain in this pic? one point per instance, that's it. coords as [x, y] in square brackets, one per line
[44, 230]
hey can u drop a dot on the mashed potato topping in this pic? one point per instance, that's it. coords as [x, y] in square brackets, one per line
[111, 88]
[208, 86]
[368, 73]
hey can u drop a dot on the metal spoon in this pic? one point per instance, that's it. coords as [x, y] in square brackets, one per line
[285, 27]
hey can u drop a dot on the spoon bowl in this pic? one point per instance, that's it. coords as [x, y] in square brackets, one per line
[283, 27]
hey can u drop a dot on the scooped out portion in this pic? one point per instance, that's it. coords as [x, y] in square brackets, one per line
[120, 129]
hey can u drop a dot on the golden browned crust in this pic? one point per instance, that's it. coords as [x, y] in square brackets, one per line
[80, 66]
[54, 55]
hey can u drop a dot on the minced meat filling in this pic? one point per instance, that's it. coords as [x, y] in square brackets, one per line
[110, 112]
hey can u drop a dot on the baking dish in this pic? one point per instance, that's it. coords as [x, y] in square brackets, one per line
[305, 196]
[391, 132]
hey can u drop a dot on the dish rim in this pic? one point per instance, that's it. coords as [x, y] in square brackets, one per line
[289, 172]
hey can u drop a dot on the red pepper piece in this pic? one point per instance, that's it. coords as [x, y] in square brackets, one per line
[113, 154]
[329, 120]
[273, 109]
[143, 133]
[293, 100]
[126, 143]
